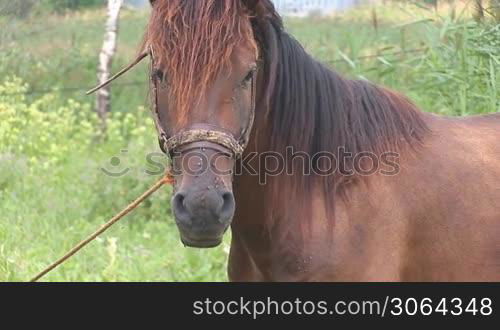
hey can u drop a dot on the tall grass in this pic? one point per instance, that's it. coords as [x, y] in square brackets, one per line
[53, 191]
[444, 60]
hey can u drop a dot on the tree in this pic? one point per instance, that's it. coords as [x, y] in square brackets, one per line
[103, 103]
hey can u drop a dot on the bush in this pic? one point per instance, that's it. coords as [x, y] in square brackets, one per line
[47, 134]
[38, 131]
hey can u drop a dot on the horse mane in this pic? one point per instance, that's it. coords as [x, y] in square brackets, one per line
[313, 109]
[333, 112]
[192, 41]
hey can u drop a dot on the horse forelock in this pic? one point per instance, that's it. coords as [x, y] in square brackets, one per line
[193, 41]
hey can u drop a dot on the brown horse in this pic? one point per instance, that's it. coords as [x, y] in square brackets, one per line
[321, 178]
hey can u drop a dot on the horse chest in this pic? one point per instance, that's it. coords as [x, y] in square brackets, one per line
[257, 257]
[351, 245]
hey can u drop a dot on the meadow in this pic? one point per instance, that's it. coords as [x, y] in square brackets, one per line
[53, 191]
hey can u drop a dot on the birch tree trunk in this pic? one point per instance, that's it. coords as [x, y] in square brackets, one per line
[103, 105]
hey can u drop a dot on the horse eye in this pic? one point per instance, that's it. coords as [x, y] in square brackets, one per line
[247, 78]
[158, 75]
[161, 78]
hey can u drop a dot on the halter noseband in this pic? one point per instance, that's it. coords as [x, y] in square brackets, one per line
[169, 144]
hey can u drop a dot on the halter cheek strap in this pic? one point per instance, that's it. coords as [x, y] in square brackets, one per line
[162, 135]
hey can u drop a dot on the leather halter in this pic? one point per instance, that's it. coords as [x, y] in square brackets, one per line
[169, 144]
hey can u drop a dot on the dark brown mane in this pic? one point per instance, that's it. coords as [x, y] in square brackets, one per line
[314, 109]
[192, 41]
[333, 112]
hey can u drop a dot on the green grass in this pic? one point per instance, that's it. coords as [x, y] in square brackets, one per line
[53, 193]
[45, 214]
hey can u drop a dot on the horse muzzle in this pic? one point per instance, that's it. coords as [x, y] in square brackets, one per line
[203, 215]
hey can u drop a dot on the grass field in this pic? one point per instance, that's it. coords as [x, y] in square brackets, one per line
[52, 189]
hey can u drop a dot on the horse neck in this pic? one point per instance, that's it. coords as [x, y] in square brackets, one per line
[312, 109]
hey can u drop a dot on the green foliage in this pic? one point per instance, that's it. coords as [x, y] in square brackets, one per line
[37, 129]
[62, 5]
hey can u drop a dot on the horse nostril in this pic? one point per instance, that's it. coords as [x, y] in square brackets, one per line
[227, 210]
[179, 207]
[200, 208]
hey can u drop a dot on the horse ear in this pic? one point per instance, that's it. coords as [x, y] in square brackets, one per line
[152, 2]
[262, 9]
[251, 4]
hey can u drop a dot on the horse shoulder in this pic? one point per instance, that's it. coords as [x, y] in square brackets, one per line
[453, 187]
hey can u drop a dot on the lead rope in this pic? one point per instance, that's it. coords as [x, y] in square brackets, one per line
[168, 179]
